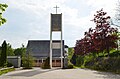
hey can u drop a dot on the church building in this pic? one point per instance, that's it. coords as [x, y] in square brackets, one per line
[40, 50]
[54, 49]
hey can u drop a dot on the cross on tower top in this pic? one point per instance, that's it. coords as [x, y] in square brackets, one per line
[56, 8]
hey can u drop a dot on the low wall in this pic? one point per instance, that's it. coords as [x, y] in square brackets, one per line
[15, 60]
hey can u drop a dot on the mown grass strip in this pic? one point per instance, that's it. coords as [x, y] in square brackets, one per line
[3, 71]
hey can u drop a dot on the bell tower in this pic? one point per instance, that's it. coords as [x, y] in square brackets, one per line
[56, 26]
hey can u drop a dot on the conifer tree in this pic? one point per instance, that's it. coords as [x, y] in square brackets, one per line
[3, 58]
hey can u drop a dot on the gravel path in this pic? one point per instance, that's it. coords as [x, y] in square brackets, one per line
[38, 73]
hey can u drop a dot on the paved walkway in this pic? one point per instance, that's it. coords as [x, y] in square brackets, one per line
[38, 73]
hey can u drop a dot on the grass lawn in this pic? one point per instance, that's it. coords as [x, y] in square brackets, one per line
[6, 70]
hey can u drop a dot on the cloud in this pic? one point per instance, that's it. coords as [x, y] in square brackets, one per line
[30, 19]
[107, 5]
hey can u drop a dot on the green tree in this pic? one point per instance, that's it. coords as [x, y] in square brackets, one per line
[27, 61]
[2, 9]
[10, 50]
[20, 51]
[3, 58]
[70, 52]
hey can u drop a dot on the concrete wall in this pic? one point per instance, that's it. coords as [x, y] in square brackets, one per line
[15, 60]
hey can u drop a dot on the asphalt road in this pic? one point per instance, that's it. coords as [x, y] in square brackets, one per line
[56, 73]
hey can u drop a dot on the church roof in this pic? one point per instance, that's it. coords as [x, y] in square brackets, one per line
[41, 48]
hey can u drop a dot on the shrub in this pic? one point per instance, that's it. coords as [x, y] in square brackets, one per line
[115, 53]
[46, 64]
[27, 61]
[73, 59]
[79, 61]
[115, 64]
[102, 64]
[70, 66]
[111, 64]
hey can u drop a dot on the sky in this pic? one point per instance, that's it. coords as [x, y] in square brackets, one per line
[30, 19]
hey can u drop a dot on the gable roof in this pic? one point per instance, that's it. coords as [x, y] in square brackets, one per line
[41, 48]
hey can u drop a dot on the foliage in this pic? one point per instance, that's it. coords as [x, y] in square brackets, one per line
[105, 37]
[3, 58]
[73, 59]
[2, 9]
[20, 51]
[105, 64]
[70, 66]
[79, 61]
[27, 61]
[10, 50]
[101, 62]
[70, 52]
[113, 53]
[102, 38]
[46, 64]
[6, 70]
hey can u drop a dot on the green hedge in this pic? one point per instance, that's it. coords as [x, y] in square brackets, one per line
[3, 71]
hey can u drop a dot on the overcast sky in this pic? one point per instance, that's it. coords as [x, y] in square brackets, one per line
[30, 19]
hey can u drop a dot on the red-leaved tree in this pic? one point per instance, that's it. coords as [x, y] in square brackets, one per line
[105, 37]
[102, 38]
